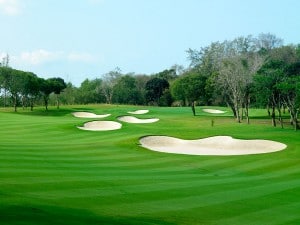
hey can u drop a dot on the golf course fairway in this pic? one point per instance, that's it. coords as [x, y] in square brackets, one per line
[52, 173]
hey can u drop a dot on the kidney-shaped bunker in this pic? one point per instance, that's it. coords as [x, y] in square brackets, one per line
[101, 126]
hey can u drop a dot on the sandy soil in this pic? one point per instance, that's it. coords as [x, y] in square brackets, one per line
[132, 119]
[214, 111]
[89, 115]
[101, 126]
[219, 145]
[138, 112]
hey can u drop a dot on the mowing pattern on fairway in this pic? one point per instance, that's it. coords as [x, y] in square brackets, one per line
[53, 173]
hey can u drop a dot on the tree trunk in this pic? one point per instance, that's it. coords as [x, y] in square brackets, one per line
[232, 108]
[247, 110]
[5, 94]
[273, 117]
[280, 117]
[23, 102]
[296, 126]
[46, 103]
[268, 109]
[294, 119]
[237, 110]
[15, 103]
[193, 108]
[57, 101]
[242, 114]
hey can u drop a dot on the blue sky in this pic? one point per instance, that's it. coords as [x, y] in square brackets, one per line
[79, 39]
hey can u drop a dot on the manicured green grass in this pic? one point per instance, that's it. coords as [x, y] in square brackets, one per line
[53, 173]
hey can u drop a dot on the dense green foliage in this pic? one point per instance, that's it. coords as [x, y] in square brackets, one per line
[53, 173]
[240, 73]
[23, 88]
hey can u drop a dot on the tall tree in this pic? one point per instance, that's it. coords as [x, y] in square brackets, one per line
[125, 91]
[290, 88]
[15, 85]
[90, 91]
[58, 85]
[109, 81]
[190, 87]
[155, 88]
[69, 95]
[46, 88]
[277, 82]
[141, 81]
[239, 63]
[168, 75]
[4, 76]
[266, 85]
[31, 89]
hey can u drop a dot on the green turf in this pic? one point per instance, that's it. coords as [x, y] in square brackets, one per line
[53, 173]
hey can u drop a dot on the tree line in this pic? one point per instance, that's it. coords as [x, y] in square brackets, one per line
[247, 71]
[20, 88]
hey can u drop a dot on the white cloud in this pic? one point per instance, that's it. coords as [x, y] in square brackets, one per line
[10, 7]
[81, 57]
[2, 55]
[40, 56]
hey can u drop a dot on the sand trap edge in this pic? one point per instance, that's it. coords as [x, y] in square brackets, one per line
[89, 115]
[214, 111]
[139, 112]
[133, 119]
[101, 126]
[197, 148]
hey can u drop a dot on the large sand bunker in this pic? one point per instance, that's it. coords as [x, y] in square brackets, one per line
[101, 126]
[138, 112]
[219, 145]
[132, 119]
[214, 111]
[89, 115]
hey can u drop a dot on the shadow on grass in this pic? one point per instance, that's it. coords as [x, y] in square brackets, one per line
[49, 215]
[41, 111]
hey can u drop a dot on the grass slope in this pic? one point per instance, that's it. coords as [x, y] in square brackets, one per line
[53, 173]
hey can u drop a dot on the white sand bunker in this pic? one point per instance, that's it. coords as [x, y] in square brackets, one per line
[138, 112]
[214, 111]
[132, 119]
[101, 126]
[89, 115]
[219, 145]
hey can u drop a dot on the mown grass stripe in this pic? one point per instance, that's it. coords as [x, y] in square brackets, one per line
[195, 201]
[47, 162]
[286, 213]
